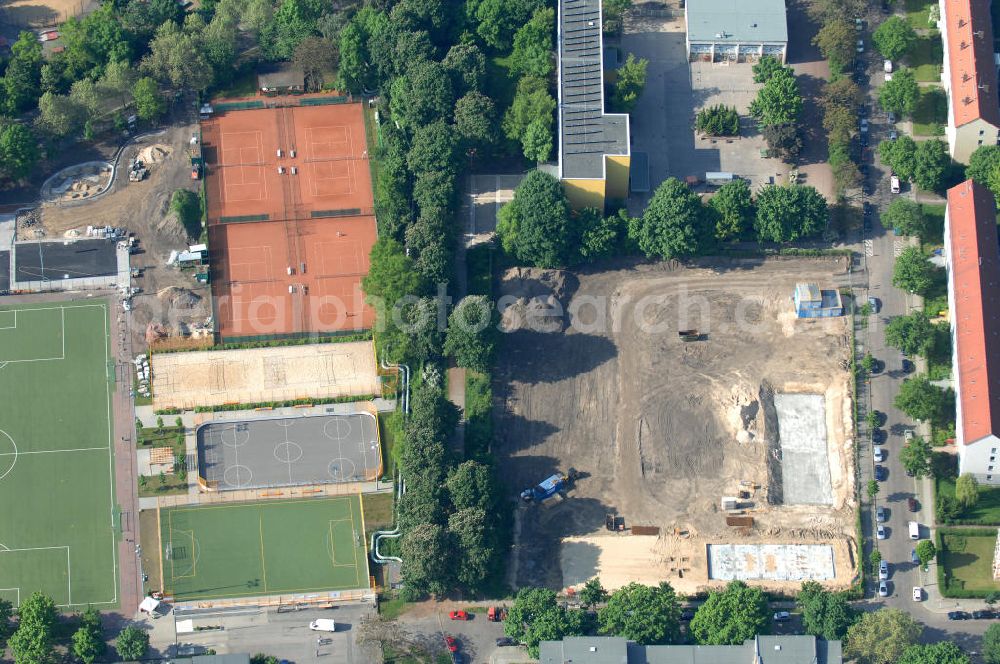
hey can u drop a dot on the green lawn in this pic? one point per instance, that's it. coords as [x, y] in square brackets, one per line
[170, 483]
[931, 112]
[56, 459]
[925, 57]
[268, 548]
[934, 214]
[967, 561]
[918, 13]
[479, 266]
[986, 511]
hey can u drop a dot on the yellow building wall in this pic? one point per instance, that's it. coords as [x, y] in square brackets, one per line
[617, 169]
[585, 193]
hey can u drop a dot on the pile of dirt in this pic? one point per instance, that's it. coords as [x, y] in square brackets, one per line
[535, 299]
[154, 333]
[179, 298]
[154, 154]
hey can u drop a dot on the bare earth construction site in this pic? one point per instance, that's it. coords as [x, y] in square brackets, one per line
[662, 430]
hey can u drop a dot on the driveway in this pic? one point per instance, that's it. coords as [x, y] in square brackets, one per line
[428, 623]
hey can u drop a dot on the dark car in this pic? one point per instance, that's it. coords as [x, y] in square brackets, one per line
[912, 504]
[864, 139]
[687, 614]
[875, 304]
[878, 436]
[506, 641]
[958, 615]
[881, 473]
[907, 367]
[983, 615]
[868, 209]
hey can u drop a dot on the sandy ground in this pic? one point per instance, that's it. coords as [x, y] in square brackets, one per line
[35, 14]
[171, 298]
[660, 429]
[258, 375]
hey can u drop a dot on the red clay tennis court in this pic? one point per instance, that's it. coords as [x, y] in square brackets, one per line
[290, 219]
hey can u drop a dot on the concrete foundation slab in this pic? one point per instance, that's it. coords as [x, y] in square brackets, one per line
[805, 461]
[771, 562]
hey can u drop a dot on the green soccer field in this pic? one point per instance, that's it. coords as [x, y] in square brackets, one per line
[58, 531]
[268, 548]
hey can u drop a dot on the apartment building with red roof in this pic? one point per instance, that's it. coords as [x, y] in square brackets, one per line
[969, 76]
[974, 304]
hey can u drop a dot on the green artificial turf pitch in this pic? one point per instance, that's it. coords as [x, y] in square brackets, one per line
[266, 548]
[58, 532]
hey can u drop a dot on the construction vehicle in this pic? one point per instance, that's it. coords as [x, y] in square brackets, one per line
[194, 152]
[689, 335]
[137, 171]
[496, 614]
[615, 524]
[549, 487]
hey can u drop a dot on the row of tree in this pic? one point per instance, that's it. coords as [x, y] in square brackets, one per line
[32, 638]
[731, 616]
[926, 163]
[538, 226]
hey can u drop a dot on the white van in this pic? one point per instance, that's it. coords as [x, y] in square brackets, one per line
[894, 184]
[323, 625]
[914, 530]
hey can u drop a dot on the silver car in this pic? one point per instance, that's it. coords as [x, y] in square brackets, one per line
[883, 570]
[880, 514]
[883, 589]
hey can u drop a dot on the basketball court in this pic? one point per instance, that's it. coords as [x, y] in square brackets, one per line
[276, 547]
[289, 451]
[264, 375]
[291, 219]
[58, 534]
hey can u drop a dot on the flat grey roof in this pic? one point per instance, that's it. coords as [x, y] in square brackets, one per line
[586, 134]
[749, 21]
[762, 650]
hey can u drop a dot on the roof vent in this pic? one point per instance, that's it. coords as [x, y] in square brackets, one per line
[593, 648]
[966, 77]
[979, 33]
[777, 646]
[961, 22]
[963, 46]
[967, 100]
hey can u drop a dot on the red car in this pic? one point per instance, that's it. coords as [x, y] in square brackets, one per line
[458, 615]
[451, 643]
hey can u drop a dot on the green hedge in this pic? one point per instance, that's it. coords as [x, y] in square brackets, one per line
[272, 343]
[270, 404]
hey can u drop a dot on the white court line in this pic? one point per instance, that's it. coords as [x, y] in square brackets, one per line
[10, 327]
[62, 314]
[69, 571]
[18, 595]
[76, 449]
[111, 464]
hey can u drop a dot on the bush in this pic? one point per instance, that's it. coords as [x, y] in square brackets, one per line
[187, 206]
[720, 120]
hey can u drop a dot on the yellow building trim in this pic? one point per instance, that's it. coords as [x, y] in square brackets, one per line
[585, 193]
[617, 170]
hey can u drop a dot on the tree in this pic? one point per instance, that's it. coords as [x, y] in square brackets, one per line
[991, 644]
[644, 614]
[825, 614]
[537, 140]
[422, 95]
[434, 149]
[32, 644]
[916, 457]
[391, 275]
[469, 528]
[921, 400]
[471, 484]
[292, 23]
[674, 223]
[475, 118]
[900, 94]
[592, 593]
[532, 102]
[839, 122]
[912, 334]
[352, 69]
[789, 212]
[734, 207]
[906, 216]
[534, 227]
[779, 101]
[630, 83]
[6, 624]
[836, 41]
[533, 45]
[872, 489]
[913, 272]
[18, 150]
[841, 93]
[718, 120]
[783, 140]
[931, 162]
[614, 15]
[880, 637]
[38, 610]
[176, 56]
[966, 490]
[186, 205]
[262, 658]
[428, 562]
[983, 164]
[900, 156]
[942, 652]
[926, 552]
[59, 115]
[132, 643]
[602, 236]
[467, 66]
[23, 75]
[315, 56]
[536, 616]
[498, 20]
[731, 616]
[764, 68]
[894, 37]
[471, 338]
[88, 640]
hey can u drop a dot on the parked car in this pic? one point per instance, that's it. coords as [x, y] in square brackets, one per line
[918, 593]
[908, 367]
[451, 643]
[908, 435]
[891, 117]
[880, 514]
[914, 558]
[881, 473]
[912, 504]
[861, 46]
[458, 615]
[782, 616]
[878, 454]
[893, 135]
[883, 589]
[883, 570]
[875, 304]
[958, 615]
[878, 436]
[506, 641]
[863, 139]
[887, 66]
[983, 615]
[323, 625]
[880, 532]
[894, 184]
[687, 614]
[864, 124]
